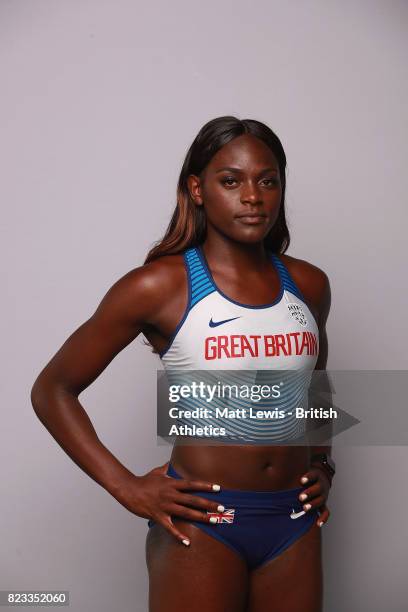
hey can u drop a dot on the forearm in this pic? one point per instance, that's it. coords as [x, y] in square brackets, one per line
[323, 428]
[324, 434]
[64, 417]
[320, 397]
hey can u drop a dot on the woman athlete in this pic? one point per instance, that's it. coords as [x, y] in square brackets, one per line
[232, 527]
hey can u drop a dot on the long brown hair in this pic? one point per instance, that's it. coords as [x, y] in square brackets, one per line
[187, 227]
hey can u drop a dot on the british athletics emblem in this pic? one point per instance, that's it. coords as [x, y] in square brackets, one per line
[297, 313]
[223, 517]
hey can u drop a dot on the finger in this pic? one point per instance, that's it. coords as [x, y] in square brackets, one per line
[315, 503]
[196, 485]
[192, 515]
[168, 524]
[199, 502]
[311, 492]
[323, 515]
[322, 475]
[310, 476]
[161, 469]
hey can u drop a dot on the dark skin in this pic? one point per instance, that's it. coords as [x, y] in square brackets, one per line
[204, 572]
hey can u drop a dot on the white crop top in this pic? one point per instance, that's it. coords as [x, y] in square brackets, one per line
[219, 333]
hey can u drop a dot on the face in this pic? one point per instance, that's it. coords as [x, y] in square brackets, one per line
[241, 202]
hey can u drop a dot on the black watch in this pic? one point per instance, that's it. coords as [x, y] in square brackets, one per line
[326, 462]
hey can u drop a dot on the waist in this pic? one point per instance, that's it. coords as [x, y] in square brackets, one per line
[276, 499]
[262, 468]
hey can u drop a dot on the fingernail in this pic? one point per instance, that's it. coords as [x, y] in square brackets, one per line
[303, 497]
[220, 508]
[307, 507]
[186, 542]
[213, 519]
[320, 524]
[216, 487]
[304, 479]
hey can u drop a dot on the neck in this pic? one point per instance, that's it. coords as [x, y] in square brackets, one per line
[235, 255]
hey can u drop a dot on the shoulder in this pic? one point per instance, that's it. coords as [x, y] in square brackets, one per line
[312, 281]
[305, 273]
[159, 275]
[144, 289]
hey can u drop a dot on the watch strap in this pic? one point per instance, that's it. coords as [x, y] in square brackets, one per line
[322, 460]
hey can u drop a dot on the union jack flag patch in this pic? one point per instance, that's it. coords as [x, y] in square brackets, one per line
[223, 517]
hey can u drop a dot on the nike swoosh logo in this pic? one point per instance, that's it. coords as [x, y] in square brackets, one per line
[216, 323]
[295, 515]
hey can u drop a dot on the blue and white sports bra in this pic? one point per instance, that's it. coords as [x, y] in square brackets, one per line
[219, 333]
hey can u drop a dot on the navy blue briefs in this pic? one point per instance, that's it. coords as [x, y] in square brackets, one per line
[258, 525]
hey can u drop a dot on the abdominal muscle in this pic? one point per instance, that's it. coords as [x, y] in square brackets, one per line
[252, 468]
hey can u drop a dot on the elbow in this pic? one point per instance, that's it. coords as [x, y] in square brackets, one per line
[46, 393]
[37, 396]
[41, 393]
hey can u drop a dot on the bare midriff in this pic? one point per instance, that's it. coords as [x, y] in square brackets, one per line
[246, 467]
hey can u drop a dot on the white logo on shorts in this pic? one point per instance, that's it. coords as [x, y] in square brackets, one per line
[295, 515]
[297, 313]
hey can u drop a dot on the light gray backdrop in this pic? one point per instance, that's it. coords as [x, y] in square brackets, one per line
[100, 101]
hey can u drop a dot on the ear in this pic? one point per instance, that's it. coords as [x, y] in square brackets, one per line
[194, 187]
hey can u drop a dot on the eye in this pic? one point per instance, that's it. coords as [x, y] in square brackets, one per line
[226, 180]
[272, 181]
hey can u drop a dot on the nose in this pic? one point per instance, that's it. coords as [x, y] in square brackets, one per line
[252, 198]
[250, 194]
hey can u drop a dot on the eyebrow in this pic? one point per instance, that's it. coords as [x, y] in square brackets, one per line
[231, 169]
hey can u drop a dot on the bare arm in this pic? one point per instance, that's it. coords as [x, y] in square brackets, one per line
[118, 319]
[318, 481]
[315, 285]
[321, 364]
[132, 302]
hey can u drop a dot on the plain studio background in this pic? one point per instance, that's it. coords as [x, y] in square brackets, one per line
[100, 101]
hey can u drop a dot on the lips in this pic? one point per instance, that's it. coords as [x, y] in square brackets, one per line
[253, 214]
[252, 219]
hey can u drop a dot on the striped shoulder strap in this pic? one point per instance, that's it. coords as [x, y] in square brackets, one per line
[200, 284]
[286, 279]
